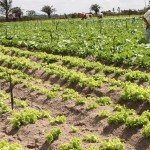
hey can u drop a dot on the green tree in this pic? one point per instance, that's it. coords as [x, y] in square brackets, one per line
[31, 13]
[5, 7]
[48, 10]
[95, 8]
[17, 12]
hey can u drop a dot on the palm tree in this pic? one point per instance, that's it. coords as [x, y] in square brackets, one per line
[48, 10]
[17, 12]
[95, 7]
[119, 10]
[5, 7]
[113, 11]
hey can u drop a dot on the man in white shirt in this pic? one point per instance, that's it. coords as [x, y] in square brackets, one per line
[146, 18]
[100, 15]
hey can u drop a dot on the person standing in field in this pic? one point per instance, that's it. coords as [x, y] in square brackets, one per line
[83, 16]
[86, 16]
[100, 15]
[146, 18]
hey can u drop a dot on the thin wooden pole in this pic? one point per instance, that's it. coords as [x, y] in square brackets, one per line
[11, 90]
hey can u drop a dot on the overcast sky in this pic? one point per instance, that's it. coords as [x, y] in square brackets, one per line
[71, 6]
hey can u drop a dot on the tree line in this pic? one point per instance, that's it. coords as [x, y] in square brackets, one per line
[16, 12]
[6, 10]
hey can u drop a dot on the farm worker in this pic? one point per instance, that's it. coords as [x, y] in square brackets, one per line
[100, 15]
[86, 16]
[146, 18]
[83, 16]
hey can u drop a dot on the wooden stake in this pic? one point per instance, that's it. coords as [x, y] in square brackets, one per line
[11, 90]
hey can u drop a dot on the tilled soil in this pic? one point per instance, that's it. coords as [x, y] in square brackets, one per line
[32, 136]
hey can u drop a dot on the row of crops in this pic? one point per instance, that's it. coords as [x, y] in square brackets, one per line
[81, 85]
[112, 41]
[131, 91]
[119, 114]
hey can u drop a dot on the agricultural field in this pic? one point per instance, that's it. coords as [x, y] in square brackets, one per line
[77, 85]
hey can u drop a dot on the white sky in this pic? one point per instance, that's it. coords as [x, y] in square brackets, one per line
[71, 6]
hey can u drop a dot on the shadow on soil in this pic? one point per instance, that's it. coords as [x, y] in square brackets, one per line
[143, 144]
[139, 106]
[97, 119]
[110, 128]
[13, 132]
[128, 132]
[45, 146]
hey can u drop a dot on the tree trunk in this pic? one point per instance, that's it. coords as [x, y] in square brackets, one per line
[49, 16]
[19, 16]
[6, 15]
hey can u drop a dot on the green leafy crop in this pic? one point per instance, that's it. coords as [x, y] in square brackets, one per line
[146, 131]
[91, 138]
[53, 135]
[57, 120]
[4, 145]
[103, 101]
[114, 144]
[74, 144]
[26, 116]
